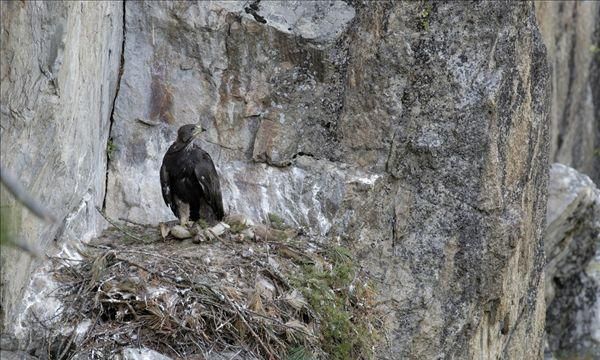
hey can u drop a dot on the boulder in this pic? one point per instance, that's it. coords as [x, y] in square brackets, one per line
[572, 244]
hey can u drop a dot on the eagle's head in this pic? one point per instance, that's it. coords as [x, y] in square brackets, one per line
[189, 132]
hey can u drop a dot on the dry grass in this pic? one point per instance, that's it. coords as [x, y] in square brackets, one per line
[245, 295]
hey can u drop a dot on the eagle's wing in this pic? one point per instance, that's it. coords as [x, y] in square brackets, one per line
[165, 186]
[207, 176]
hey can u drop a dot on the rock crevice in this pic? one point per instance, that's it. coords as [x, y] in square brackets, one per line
[110, 147]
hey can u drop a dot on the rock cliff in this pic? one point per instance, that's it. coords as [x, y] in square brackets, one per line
[572, 244]
[571, 33]
[416, 130]
[59, 69]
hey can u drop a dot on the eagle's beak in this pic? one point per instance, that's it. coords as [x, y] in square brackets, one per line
[198, 130]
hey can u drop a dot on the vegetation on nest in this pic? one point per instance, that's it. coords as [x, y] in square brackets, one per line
[277, 222]
[345, 306]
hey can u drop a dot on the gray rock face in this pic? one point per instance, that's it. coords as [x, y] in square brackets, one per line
[417, 131]
[15, 355]
[58, 69]
[571, 32]
[250, 85]
[573, 263]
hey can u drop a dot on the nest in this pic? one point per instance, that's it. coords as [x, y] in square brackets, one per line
[249, 293]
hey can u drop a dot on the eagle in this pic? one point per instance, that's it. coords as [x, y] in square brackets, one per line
[189, 181]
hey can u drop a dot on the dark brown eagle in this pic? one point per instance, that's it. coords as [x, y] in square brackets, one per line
[189, 181]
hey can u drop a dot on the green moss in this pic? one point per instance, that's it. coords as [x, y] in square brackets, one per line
[111, 147]
[299, 353]
[424, 16]
[237, 227]
[4, 230]
[277, 222]
[202, 223]
[329, 290]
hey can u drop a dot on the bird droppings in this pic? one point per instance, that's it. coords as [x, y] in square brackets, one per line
[255, 290]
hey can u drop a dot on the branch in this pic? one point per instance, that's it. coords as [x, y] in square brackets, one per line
[120, 228]
[13, 186]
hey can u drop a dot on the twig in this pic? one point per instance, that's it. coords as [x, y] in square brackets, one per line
[68, 346]
[86, 337]
[221, 145]
[236, 354]
[72, 336]
[148, 122]
[113, 223]
[13, 186]
[133, 222]
[280, 323]
[170, 347]
[243, 318]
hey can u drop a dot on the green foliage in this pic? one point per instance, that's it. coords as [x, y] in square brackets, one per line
[4, 231]
[277, 222]
[299, 353]
[111, 147]
[424, 16]
[237, 227]
[203, 224]
[346, 329]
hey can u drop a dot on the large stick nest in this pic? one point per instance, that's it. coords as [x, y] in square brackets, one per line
[250, 293]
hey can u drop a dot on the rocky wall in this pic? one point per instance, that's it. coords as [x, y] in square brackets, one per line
[572, 244]
[416, 130]
[59, 70]
[571, 33]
